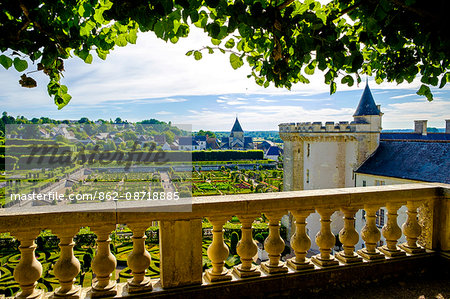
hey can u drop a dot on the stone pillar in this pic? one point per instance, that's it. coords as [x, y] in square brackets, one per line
[246, 249]
[293, 165]
[411, 230]
[104, 263]
[67, 267]
[325, 240]
[349, 238]
[139, 260]
[300, 242]
[341, 162]
[180, 244]
[371, 235]
[217, 252]
[29, 270]
[391, 232]
[274, 245]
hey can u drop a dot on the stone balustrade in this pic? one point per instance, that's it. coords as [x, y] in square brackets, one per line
[181, 237]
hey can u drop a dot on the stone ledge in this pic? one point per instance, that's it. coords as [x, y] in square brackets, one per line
[292, 283]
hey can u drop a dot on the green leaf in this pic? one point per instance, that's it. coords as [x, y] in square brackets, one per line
[101, 54]
[236, 61]
[348, 80]
[88, 59]
[20, 65]
[189, 53]
[121, 41]
[198, 55]
[5, 61]
[332, 87]
[230, 43]
[322, 15]
[131, 37]
[215, 42]
[159, 29]
[445, 79]
[62, 101]
[309, 70]
[425, 91]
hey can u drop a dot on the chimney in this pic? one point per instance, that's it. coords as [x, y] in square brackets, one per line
[447, 126]
[420, 127]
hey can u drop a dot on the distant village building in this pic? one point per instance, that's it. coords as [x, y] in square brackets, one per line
[211, 143]
[273, 153]
[188, 144]
[237, 140]
[336, 155]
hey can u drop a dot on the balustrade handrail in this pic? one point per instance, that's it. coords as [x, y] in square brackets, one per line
[183, 266]
[98, 213]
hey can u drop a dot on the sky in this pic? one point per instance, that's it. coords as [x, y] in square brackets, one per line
[154, 79]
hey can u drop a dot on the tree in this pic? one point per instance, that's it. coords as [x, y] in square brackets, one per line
[206, 133]
[283, 41]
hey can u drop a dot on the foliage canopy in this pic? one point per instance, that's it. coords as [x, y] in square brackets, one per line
[283, 41]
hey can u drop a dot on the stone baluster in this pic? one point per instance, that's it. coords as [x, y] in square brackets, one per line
[246, 249]
[104, 263]
[217, 252]
[139, 260]
[371, 235]
[391, 232]
[67, 267]
[412, 230]
[325, 240]
[349, 238]
[300, 242]
[274, 245]
[29, 269]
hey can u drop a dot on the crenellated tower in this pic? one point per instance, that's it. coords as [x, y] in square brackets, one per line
[318, 155]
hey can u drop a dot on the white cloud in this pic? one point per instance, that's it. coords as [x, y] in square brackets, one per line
[163, 113]
[404, 96]
[266, 101]
[402, 115]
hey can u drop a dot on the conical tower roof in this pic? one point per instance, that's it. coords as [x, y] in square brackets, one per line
[237, 126]
[367, 104]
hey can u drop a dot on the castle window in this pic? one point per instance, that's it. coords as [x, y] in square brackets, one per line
[379, 183]
[307, 176]
[308, 151]
[364, 183]
[379, 220]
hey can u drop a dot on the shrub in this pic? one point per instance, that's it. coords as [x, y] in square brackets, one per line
[259, 238]
[233, 242]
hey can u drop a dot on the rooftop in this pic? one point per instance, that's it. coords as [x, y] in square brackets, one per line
[421, 161]
[367, 104]
[237, 126]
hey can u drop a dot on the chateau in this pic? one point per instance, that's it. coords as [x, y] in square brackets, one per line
[318, 156]
[339, 155]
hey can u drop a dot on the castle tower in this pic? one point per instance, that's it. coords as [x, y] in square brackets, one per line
[237, 135]
[318, 156]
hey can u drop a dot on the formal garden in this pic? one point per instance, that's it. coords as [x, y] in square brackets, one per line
[197, 182]
[48, 252]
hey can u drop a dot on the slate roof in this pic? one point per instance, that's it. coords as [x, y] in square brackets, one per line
[415, 136]
[274, 151]
[421, 161]
[187, 141]
[237, 126]
[200, 138]
[367, 104]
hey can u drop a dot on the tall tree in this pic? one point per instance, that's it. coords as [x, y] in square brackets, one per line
[283, 41]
